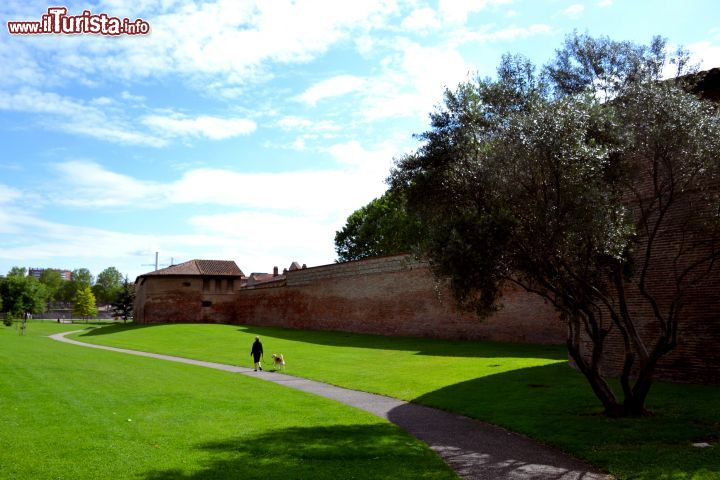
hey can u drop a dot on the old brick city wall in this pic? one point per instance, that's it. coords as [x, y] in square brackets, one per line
[697, 357]
[392, 295]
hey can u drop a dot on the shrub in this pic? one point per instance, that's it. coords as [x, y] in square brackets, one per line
[8, 319]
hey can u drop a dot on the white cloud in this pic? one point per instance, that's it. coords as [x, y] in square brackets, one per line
[421, 19]
[274, 217]
[705, 53]
[297, 123]
[8, 194]
[74, 116]
[91, 185]
[125, 95]
[506, 34]
[232, 43]
[359, 178]
[104, 119]
[272, 239]
[331, 87]
[573, 10]
[455, 11]
[354, 153]
[214, 128]
[604, 3]
[408, 87]
[52, 244]
[257, 241]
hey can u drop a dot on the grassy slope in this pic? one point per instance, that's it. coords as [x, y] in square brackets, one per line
[529, 389]
[72, 413]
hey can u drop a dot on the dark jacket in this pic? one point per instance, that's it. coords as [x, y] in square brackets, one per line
[257, 350]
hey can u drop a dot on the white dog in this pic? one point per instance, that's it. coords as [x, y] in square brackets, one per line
[278, 361]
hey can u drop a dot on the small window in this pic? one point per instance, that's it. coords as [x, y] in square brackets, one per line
[207, 303]
[186, 284]
[218, 285]
[206, 285]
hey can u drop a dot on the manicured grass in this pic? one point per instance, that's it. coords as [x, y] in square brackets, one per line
[68, 412]
[528, 389]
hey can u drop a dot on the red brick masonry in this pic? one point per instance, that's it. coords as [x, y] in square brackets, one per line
[392, 295]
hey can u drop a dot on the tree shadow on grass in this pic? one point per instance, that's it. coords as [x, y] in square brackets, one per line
[116, 328]
[555, 404]
[344, 451]
[422, 346]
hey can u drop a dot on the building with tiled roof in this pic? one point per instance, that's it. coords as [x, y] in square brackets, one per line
[200, 267]
[193, 291]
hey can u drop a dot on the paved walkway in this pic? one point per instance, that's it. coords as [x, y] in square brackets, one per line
[475, 450]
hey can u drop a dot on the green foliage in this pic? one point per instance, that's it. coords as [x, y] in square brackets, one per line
[107, 285]
[22, 294]
[382, 227]
[122, 306]
[17, 272]
[8, 319]
[526, 180]
[53, 283]
[84, 305]
[80, 278]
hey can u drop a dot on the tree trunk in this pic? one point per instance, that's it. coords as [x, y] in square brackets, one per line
[634, 404]
[598, 384]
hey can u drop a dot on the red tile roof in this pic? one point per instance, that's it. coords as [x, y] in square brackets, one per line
[256, 278]
[200, 267]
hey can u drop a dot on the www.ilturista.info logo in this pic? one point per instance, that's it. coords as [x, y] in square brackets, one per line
[57, 21]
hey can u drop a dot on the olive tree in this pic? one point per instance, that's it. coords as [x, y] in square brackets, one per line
[592, 183]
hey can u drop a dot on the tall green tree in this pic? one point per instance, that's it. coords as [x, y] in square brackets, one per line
[382, 227]
[567, 183]
[79, 278]
[84, 303]
[124, 302]
[17, 272]
[53, 283]
[108, 284]
[23, 294]
[82, 276]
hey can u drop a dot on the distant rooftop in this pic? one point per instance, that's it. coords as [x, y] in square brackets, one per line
[200, 267]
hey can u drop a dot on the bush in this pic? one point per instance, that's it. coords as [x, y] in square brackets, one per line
[8, 319]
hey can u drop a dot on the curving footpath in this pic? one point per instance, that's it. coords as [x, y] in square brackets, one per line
[475, 450]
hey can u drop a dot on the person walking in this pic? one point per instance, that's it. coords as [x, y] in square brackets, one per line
[257, 353]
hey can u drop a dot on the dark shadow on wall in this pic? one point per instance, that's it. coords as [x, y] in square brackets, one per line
[423, 346]
[371, 452]
[554, 403]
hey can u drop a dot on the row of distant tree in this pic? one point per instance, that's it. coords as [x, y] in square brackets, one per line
[21, 294]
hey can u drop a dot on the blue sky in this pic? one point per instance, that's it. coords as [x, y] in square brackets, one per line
[250, 130]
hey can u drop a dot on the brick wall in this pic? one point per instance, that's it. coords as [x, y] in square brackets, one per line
[696, 358]
[393, 295]
[183, 299]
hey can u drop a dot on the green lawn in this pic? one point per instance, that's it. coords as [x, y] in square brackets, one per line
[68, 412]
[526, 388]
